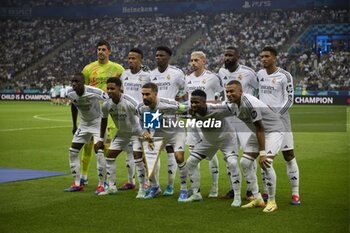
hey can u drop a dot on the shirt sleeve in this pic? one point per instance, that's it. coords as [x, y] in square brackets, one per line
[105, 110]
[288, 93]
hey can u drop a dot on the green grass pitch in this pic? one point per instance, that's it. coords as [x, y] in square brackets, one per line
[37, 135]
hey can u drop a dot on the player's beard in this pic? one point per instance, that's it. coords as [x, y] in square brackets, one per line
[147, 102]
[229, 63]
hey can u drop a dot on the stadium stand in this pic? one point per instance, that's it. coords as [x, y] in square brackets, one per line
[68, 44]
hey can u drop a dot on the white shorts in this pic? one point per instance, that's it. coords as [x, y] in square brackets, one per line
[288, 142]
[85, 132]
[273, 142]
[242, 131]
[122, 141]
[192, 136]
[228, 146]
[176, 140]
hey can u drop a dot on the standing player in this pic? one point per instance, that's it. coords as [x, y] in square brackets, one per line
[204, 80]
[122, 109]
[276, 90]
[132, 80]
[212, 139]
[232, 70]
[265, 141]
[174, 136]
[96, 75]
[170, 81]
[86, 101]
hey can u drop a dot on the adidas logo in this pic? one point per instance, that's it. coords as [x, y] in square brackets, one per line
[189, 82]
[262, 79]
[236, 182]
[294, 178]
[170, 172]
[180, 148]
[285, 146]
[126, 78]
[269, 152]
[154, 79]
[225, 78]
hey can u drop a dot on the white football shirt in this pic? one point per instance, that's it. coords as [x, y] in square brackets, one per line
[245, 75]
[124, 114]
[132, 83]
[170, 82]
[208, 82]
[276, 90]
[88, 104]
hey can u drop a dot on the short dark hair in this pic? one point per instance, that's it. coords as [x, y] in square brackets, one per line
[115, 80]
[153, 86]
[165, 49]
[103, 42]
[270, 49]
[234, 82]
[200, 93]
[233, 48]
[137, 50]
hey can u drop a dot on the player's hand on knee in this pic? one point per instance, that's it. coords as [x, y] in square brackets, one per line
[264, 161]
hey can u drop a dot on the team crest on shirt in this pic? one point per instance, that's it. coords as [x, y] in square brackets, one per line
[204, 81]
[168, 77]
[274, 80]
[140, 78]
[240, 77]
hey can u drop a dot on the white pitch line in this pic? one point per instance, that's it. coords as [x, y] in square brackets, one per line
[41, 117]
[34, 128]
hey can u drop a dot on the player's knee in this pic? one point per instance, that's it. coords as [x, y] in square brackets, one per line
[288, 155]
[245, 162]
[192, 162]
[232, 162]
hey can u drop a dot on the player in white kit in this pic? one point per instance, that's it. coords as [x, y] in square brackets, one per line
[132, 80]
[170, 81]
[122, 109]
[204, 80]
[276, 90]
[162, 108]
[232, 70]
[213, 138]
[265, 141]
[86, 101]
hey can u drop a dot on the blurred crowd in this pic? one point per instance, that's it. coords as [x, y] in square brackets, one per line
[24, 42]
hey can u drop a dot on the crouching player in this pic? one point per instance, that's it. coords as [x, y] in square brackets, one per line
[218, 136]
[265, 141]
[122, 109]
[86, 101]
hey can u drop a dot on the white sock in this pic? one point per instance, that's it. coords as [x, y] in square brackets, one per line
[74, 163]
[293, 174]
[141, 172]
[101, 167]
[111, 171]
[271, 180]
[130, 166]
[183, 175]
[247, 164]
[172, 167]
[263, 177]
[214, 172]
[192, 166]
[235, 175]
